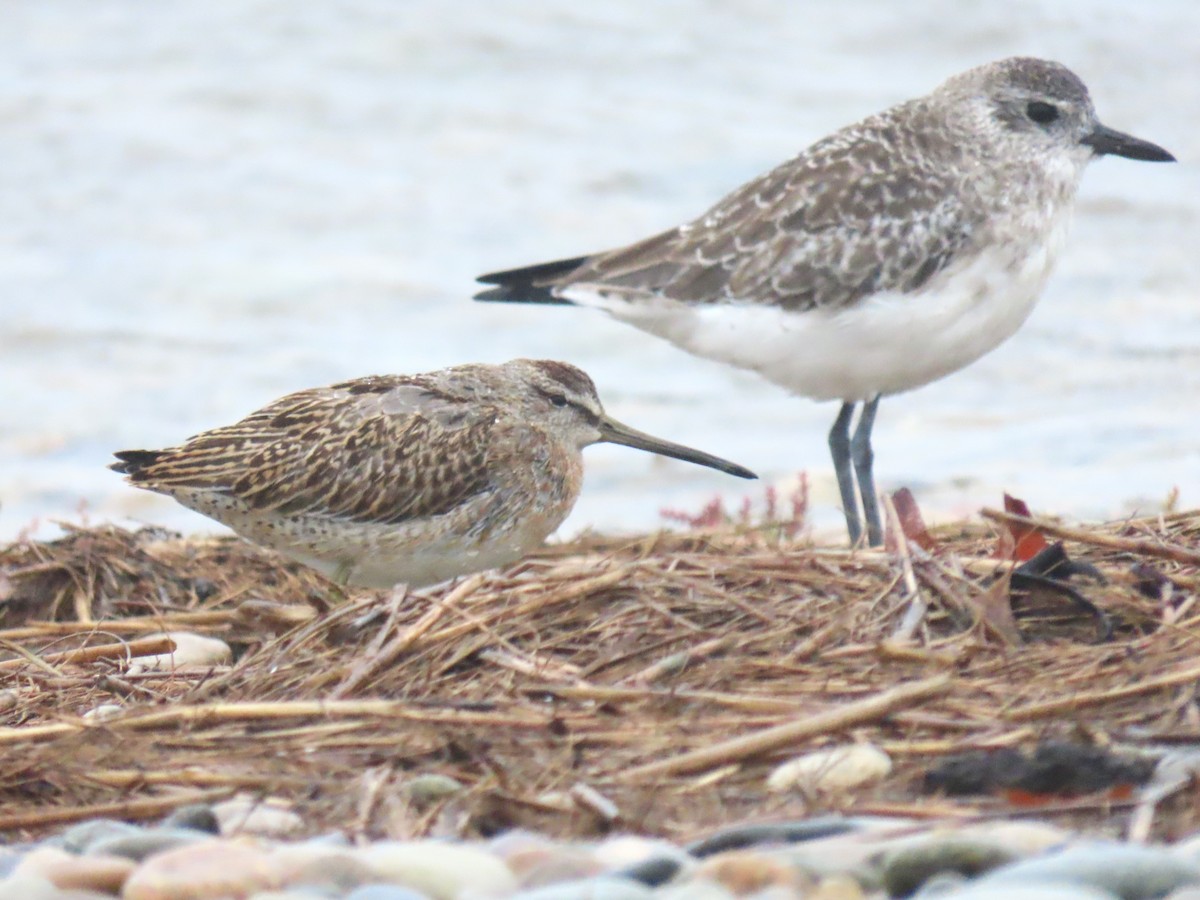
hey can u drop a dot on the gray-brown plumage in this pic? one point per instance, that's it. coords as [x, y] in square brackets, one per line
[885, 256]
[402, 478]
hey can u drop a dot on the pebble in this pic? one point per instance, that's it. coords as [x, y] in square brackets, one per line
[142, 844]
[9, 860]
[208, 869]
[741, 836]
[34, 887]
[103, 874]
[103, 711]
[560, 864]
[1129, 871]
[982, 891]
[622, 851]
[839, 887]
[441, 870]
[906, 869]
[317, 865]
[9, 700]
[600, 888]
[385, 892]
[824, 858]
[263, 816]
[197, 816]
[78, 838]
[655, 871]
[425, 790]
[747, 872]
[693, 890]
[190, 650]
[832, 770]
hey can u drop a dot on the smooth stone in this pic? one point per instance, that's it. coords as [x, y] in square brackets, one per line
[857, 854]
[210, 868]
[190, 650]
[1188, 848]
[693, 890]
[443, 871]
[425, 790]
[1130, 871]
[105, 874]
[32, 887]
[1021, 837]
[942, 884]
[78, 838]
[561, 863]
[623, 852]
[907, 868]
[385, 892]
[197, 816]
[144, 844]
[9, 859]
[331, 839]
[1057, 891]
[1187, 893]
[864, 854]
[335, 869]
[603, 887]
[839, 887]
[831, 770]
[103, 711]
[522, 851]
[300, 894]
[653, 872]
[748, 871]
[261, 816]
[742, 836]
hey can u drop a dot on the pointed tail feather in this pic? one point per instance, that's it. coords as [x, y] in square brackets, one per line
[530, 284]
[134, 462]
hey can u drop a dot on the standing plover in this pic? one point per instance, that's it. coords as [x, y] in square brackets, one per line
[883, 257]
[403, 478]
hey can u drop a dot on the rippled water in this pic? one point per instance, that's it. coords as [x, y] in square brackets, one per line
[204, 206]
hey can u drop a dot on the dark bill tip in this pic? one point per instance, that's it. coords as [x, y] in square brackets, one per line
[615, 433]
[1110, 142]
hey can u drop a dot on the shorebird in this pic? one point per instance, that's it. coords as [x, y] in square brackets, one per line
[410, 479]
[885, 256]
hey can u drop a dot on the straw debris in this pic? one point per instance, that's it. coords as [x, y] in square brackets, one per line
[649, 684]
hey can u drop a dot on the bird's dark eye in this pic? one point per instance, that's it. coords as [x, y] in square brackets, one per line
[558, 400]
[1042, 113]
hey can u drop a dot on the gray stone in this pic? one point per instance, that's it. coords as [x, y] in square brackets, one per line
[425, 790]
[907, 868]
[741, 836]
[141, 845]
[78, 838]
[696, 889]
[444, 871]
[602, 887]
[984, 890]
[198, 816]
[385, 892]
[1129, 871]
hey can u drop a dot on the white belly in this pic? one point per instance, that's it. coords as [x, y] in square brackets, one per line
[885, 344]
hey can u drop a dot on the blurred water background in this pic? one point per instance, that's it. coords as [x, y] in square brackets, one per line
[206, 205]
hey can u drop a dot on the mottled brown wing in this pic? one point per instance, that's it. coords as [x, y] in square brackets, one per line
[870, 208]
[350, 452]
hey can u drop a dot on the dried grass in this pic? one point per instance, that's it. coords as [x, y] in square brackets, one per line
[656, 679]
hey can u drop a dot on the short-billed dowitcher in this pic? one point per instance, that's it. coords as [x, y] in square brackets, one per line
[408, 479]
[887, 255]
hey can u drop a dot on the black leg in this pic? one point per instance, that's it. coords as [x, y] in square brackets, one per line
[860, 451]
[839, 447]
